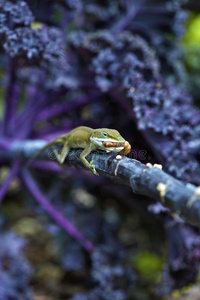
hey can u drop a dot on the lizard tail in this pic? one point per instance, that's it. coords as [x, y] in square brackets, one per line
[56, 141]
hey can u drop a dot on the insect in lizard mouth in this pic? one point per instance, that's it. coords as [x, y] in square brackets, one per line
[122, 147]
[109, 144]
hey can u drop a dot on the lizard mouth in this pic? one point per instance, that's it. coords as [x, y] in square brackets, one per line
[109, 144]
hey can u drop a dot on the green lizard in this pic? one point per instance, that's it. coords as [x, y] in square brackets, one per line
[89, 139]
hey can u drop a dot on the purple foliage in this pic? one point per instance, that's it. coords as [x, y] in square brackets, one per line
[95, 64]
[109, 276]
[125, 66]
[14, 269]
[13, 15]
[183, 257]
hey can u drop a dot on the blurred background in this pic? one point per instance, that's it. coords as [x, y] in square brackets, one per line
[129, 65]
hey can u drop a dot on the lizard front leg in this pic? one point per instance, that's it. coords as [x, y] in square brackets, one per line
[89, 165]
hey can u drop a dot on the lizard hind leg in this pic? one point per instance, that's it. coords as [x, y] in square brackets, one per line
[61, 157]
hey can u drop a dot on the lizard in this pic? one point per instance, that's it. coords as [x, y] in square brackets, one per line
[89, 139]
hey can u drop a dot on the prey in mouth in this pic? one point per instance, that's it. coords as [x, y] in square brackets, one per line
[110, 140]
[122, 147]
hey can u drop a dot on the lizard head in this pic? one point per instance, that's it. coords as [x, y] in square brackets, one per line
[108, 140]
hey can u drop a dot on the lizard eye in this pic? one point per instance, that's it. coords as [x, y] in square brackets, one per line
[104, 135]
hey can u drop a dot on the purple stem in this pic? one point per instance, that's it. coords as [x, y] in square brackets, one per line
[45, 165]
[6, 183]
[10, 101]
[27, 127]
[35, 102]
[60, 108]
[65, 20]
[125, 105]
[5, 144]
[54, 167]
[49, 133]
[29, 115]
[53, 213]
[29, 107]
[126, 20]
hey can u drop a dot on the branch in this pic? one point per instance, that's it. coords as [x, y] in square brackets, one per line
[181, 198]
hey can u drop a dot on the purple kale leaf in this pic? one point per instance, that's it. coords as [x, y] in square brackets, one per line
[14, 268]
[14, 15]
[124, 66]
[99, 63]
[182, 266]
[108, 274]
